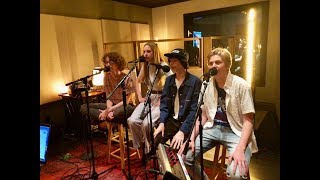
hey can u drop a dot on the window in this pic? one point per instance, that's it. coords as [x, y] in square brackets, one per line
[232, 21]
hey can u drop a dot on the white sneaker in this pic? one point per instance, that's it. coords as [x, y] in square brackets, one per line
[94, 128]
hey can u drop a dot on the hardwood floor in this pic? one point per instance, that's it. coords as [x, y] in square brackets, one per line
[264, 165]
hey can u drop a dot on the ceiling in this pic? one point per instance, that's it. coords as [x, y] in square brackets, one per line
[150, 3]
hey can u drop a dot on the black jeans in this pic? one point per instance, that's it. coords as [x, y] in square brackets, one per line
[94, 110]
[171, 127]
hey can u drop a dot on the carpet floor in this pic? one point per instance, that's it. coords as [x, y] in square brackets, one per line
[68, 160]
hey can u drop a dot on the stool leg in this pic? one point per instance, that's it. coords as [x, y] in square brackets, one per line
[121, 140]
[138, 153]
[215, 170]
[216, 155]
[137, 150]
[110, 135]
[223, 156]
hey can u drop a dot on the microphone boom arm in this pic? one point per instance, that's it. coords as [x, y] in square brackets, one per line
[143, 114]
[82, 79]
[198, 111]
[122, 80]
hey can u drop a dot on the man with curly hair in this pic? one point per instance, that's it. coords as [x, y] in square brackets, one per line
[114, 105]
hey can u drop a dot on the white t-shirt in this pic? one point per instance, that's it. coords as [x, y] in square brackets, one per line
[176, 100]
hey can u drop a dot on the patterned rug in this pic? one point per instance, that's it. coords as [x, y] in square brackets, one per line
[68, 160]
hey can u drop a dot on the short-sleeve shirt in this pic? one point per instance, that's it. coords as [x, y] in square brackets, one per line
[111, 81]
[238, 101]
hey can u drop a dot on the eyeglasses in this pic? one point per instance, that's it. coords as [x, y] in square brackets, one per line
[108, 62]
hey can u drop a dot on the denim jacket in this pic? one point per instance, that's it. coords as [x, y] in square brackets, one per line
[188, 101]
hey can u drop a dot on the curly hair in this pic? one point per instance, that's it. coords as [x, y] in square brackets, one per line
[116, 58]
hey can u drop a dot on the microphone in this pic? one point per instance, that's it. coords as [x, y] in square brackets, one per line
[164, 68]
[213, 71]
[105, 69]
[140, 59]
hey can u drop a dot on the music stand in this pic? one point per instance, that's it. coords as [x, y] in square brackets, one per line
[94, 174]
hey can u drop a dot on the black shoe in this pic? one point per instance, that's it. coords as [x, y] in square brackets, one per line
[144, 159]
[150, 156]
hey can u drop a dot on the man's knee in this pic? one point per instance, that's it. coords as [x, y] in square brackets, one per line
[130, 110]
[189, 158]
[194, 169]
[83, 109]
[236, 175]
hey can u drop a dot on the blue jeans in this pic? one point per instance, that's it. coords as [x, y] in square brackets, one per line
[211, 137]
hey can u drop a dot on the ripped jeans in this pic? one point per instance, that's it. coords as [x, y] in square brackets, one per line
[211, 137]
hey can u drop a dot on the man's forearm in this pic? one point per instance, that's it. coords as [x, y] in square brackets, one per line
[246, 132]
[118, 105]
[109, 103]
[195, 131]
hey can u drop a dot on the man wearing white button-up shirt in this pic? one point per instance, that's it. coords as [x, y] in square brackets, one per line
[227, 115]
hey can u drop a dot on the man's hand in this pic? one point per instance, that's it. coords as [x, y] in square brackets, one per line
[110, 115]
[158, 130]
[239, 161]
[106, 114]
[142, 100]
[177, 140]
[191, 146]
[103, 114]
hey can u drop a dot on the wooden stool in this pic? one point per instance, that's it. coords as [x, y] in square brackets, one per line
[119, 138]
[219, 165]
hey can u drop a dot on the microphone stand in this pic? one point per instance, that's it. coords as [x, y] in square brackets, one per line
[148, 102]
[198, 113]
[94, 174]
[124, 99]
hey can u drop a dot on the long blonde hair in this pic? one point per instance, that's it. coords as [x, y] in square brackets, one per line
[157, 59]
